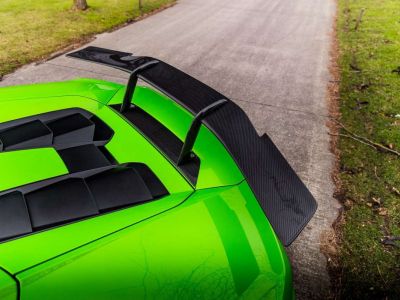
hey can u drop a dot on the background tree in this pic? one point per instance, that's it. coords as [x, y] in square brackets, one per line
[140, 6]
[80, 4]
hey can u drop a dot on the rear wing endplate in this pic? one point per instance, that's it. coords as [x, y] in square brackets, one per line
[286, 201]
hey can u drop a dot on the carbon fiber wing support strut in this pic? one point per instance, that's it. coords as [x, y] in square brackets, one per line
[284, 198]
[194, 129]
[132, 82]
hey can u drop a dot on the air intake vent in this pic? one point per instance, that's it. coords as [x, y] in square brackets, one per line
[95, 184]
[63, 201]
[28, 135]
[73, 197]
[117, 188]
[14, 217]
[74, 128]
[59, 129]
[102, 132]
[83, 158]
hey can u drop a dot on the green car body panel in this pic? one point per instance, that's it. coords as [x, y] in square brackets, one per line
[8, 286]
[209, 240]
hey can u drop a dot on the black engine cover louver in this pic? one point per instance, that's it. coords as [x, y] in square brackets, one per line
[96, 183]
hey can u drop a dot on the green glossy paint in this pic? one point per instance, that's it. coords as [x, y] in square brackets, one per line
[217, 168]
[209, 241]
[98, 90]
[27, 166]
[179, 254]
[227, 224]
[8, 286]
[22, 253]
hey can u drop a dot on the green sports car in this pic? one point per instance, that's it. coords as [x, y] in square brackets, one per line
[156, 191]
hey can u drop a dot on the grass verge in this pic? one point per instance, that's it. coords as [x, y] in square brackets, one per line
[369, 252]
[30, 30]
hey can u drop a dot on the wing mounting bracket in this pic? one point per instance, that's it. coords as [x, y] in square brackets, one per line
[133, 78]
[194, 129]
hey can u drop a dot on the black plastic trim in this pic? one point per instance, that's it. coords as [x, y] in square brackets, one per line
[82, 158]
[69, 198]
[128, 188]
[59, 129]
[96, 183]
[74, 127]
[155, 186]
[61, 202]
[14, 217]
[163, 139]
[28, 135]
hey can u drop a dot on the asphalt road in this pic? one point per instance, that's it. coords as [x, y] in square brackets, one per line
[269, 56]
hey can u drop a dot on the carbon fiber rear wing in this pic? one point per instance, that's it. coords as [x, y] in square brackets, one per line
[286, 201]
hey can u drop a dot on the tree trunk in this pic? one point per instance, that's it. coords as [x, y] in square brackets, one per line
[80, 4]
[140, 6]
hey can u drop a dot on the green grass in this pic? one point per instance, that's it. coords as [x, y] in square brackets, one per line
[32, 29]
[369, 269]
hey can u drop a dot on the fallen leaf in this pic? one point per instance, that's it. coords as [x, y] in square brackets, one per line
[396, 123]
[382, 211]
[376, 200]
[348, 203]
[396, 191]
